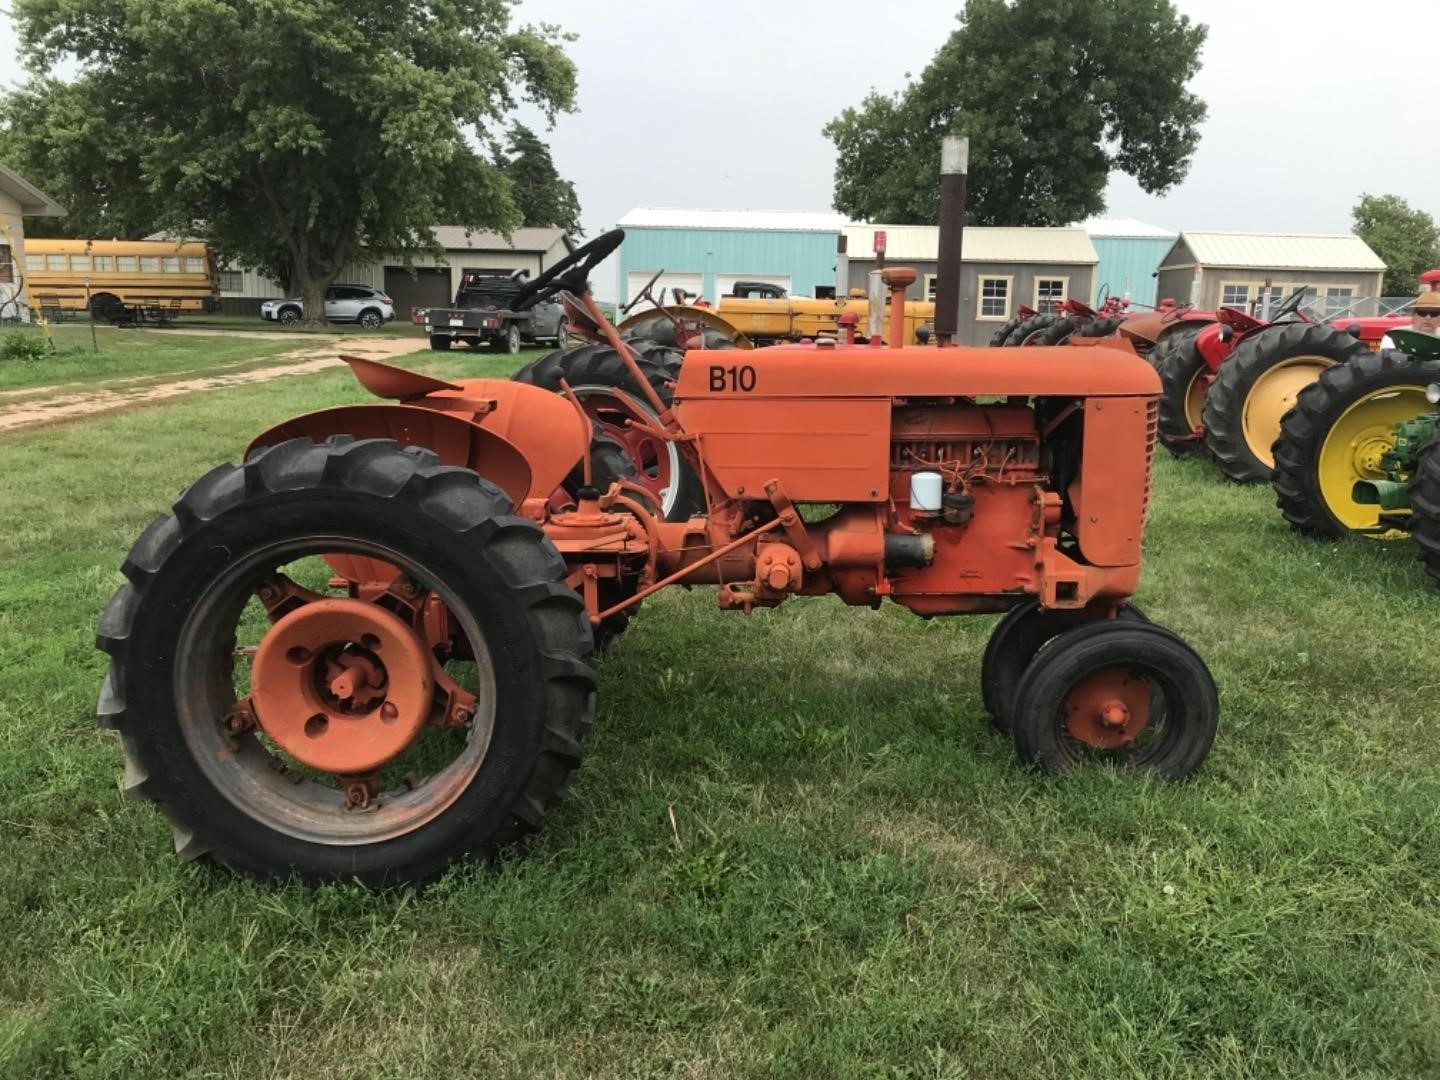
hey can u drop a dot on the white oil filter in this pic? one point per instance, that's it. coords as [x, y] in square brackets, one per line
[926, 491]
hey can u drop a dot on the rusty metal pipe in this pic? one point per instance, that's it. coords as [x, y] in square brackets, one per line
[954, 164]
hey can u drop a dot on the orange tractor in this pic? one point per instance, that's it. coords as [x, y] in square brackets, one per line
[365, 652]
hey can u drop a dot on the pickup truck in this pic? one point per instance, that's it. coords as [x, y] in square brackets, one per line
[482, 315]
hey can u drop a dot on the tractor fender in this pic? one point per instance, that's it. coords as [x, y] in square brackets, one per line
[663, 332]
[1212, 345]
[525, 442]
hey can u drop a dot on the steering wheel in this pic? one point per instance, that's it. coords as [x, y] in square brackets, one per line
[1290, 306]
[642, 293]
[570, 274]
[1103, 295]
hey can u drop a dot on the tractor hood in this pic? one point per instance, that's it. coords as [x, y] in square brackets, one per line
[1078, 369]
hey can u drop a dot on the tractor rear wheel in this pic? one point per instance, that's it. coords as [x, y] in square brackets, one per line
[1129, 691]
[594, 372]
[1341, 426]
[1182, 391]
[1027, 330]
[291, 724]
[1058, 331]
[997, 339]
[1101, 327]
[1258, 384]
[1024, 631]
[1425, 509]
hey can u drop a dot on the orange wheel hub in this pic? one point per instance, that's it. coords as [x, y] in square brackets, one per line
[1108, 709]
[342, 685]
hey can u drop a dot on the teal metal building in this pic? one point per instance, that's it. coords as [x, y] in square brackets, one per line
[1130, 253]
[707, 251]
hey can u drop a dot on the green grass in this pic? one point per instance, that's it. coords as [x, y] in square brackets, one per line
[863, 884]
[129, 354]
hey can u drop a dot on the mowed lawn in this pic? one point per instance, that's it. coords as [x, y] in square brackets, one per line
[859, 881]
[133, 356]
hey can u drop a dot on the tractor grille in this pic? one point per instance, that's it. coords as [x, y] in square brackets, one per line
[1152, 431]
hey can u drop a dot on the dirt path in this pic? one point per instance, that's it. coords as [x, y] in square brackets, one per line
[50, 404]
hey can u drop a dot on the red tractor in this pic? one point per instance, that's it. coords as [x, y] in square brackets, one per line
[365, 652]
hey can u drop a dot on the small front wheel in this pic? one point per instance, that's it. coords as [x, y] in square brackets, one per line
[1132, 692]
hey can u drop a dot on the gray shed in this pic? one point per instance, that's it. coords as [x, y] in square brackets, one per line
[1001, 268]
[1214, 269]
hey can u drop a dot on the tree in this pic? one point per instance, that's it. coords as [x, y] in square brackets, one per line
[1054, 94]
[543, 198]
[1406, 239]
[293, 136]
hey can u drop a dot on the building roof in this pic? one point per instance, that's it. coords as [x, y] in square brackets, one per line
[664, 217]
[1280, 251]
[33, 202]
[1124, 229]
[458, 238]
[981, 243]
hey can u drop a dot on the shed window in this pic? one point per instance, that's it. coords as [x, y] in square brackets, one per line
[1049, 292]
[1338, 301]
[994, 298]
[232, 281]
[1234, 296]
[7, 265]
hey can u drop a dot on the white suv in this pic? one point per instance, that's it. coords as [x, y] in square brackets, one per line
[361, 304]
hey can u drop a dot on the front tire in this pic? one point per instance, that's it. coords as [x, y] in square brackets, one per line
[1017, 638]
[371, 320]
[1130, 691]
[512, 339]
[288, 316]
[174, 680]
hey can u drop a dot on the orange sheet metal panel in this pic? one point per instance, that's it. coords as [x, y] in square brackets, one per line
[820, 449]
[804, 371]
[1113, 490]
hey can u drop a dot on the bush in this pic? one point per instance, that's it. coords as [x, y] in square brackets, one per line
[25, 348]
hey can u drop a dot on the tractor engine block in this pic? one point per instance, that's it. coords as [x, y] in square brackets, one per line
[967, 444]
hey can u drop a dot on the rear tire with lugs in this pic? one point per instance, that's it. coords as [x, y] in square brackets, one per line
[1258, 384]
[1425, 509]
[1317, 460]
[1179, 364]
[594, 370]
[171, 633]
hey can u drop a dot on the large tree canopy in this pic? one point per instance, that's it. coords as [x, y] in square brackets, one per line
[295, 135]
[1406, 238]
[1054, 94]
[543, 197]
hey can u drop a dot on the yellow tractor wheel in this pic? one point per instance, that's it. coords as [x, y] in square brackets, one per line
[1258, 384]
[1339, 430]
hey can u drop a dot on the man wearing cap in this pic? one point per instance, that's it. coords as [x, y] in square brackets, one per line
[1424, 316]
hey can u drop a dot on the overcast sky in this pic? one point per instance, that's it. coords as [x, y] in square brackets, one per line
[721, 105]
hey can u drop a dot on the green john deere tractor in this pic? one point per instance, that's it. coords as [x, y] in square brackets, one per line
[1360, 451]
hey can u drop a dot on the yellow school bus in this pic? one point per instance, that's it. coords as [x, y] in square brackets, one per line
[121, 274]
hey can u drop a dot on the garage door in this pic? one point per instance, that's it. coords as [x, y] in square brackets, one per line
[669, 281]
[725, 283]
[430, 287]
